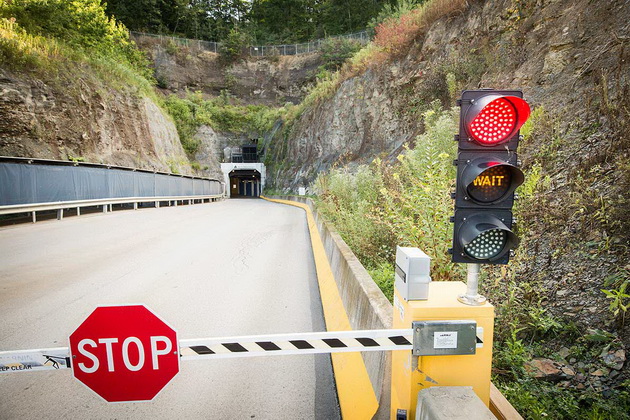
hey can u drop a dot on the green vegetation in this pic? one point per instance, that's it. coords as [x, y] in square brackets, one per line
[378, 206]
[335, 51]
[18, 49]
[81, 26]
[619, 301]
[234, 46]
[395, 10]
[193, 111]
[265, 21]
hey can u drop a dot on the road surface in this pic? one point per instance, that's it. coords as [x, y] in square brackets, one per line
[236, 267]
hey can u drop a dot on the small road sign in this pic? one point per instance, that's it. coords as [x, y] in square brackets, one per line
[124, 353]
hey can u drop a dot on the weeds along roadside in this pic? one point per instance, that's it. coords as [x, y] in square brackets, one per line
[378, 206]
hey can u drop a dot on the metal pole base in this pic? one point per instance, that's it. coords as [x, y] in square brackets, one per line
[477, 300]
[472, 297]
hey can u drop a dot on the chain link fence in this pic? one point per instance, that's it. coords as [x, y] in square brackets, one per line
[362, 37]
[190, 43]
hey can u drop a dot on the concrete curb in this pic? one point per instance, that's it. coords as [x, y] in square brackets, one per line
[366, 305]
[357, 398]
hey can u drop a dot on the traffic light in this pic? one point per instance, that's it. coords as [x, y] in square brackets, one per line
[487, 175]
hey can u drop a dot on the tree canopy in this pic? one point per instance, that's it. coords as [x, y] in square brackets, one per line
[265, 21]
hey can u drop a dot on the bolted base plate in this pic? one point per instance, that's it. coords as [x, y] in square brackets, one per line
[476, 300]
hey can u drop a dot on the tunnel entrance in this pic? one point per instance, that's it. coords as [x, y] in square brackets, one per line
[245, 183]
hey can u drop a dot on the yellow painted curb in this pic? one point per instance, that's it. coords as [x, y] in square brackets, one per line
[356, 395]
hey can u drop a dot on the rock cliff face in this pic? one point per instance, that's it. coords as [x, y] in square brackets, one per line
[82, 118]
[564, 54]
[361, 121]
[571, 59]
[261, 81]
[211, 145]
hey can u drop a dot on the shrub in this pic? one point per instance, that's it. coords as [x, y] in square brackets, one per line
[80, 24]
[395, 35]
[379, 206]
[335, 52]
[182, 112]
[19, 49]
[234, 46]
[394, 11]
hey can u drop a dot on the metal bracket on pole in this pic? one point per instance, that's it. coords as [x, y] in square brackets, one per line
[472, 296]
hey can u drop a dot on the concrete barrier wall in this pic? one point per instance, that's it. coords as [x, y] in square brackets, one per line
[365, 303]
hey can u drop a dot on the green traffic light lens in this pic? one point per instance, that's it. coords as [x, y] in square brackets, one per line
[487, 245]
[491, 185]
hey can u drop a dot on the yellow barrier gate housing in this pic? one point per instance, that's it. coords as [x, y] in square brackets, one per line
[410, 374]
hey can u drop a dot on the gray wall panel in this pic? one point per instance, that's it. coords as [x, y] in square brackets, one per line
[22, 183]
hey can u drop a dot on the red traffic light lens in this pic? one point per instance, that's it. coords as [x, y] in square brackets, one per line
[498, 120]
[491, 185]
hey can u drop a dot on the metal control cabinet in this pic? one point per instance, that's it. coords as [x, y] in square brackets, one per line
[412, 275]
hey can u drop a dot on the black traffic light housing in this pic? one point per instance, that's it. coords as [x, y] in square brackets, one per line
[487, 175]
[488, 180]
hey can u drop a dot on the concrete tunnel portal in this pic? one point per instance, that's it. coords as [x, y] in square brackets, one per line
[244, 179]
[245, 183]
[243, 173]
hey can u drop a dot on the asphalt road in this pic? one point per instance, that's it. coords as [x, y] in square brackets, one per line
[235, 267]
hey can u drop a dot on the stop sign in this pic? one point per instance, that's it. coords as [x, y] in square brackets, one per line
[124, 353]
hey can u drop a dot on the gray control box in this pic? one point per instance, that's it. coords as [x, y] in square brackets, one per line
[412, 276]
[440, 338]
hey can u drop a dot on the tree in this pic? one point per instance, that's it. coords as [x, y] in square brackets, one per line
[280, 21]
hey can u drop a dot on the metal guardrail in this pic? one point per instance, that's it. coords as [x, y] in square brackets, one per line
[25, 184]
[362, 37]
[105, 202]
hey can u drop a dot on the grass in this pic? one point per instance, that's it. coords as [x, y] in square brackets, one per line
[20, 50]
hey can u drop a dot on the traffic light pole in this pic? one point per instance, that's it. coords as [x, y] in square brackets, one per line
[472, 296]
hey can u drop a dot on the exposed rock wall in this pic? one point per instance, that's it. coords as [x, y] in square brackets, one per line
[572, 60]
[265, 80]
[211, 145]
[82, 118]
[360, 122]
[556, 51]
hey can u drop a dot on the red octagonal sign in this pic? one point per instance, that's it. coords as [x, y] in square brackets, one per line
[124, 353]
